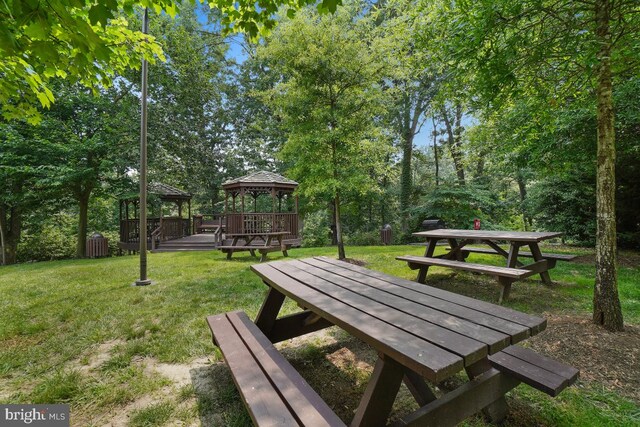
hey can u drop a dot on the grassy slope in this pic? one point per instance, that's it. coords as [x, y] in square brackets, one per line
[53, 313]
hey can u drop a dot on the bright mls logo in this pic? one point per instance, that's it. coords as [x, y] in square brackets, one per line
[34, 415]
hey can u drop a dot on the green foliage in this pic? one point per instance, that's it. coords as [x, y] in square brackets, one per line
[54, 239]
[316, 231]
[328, 98]
[91, 42]
[363, 238]
[459, 205]
[567, 204]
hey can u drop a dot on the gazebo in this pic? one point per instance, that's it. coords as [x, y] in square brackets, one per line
[159, 228]
[262, 202]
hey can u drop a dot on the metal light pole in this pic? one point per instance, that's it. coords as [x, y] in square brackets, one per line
[143, 280]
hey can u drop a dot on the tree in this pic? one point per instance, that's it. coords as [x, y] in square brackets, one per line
[329, 97]
[557, 51]
[412, 86]
[189, 122]
[25, 175]
[90, 42]
[90, 138]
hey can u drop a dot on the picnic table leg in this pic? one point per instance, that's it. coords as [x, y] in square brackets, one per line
[455, 251]
[418, 387]
[428, 253]
[234, 242]
[375, 405]
[268, 313]
[537, 256]
[496, 411]
[505, 288]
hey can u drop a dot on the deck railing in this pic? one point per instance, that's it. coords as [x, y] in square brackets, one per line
[172, 228]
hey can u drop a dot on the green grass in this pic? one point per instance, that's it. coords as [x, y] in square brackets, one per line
[55, 315]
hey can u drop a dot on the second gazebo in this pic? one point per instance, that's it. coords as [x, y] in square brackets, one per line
[260, 204]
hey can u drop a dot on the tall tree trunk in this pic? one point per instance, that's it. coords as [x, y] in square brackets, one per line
[341, 254]
[435, 150]
[2, 239]
[606, 302]
[11, 225]
[334, 234]
[522, 187]
[454, 140]
[406, 181]
[83, 219]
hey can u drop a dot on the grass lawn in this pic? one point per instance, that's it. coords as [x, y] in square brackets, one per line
[77, 332]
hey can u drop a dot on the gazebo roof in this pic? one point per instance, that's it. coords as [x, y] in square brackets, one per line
[164, 191]
[167, 191]
[260, 178]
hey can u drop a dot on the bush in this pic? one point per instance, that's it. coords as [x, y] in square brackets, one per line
[459, 205]
[363, 238]
[316, 231]
[52, 240]
[566, 204]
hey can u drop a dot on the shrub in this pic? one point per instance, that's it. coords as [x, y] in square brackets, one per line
[316, 229]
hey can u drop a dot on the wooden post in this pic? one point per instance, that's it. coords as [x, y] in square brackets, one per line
[143, 280]
[242, 210]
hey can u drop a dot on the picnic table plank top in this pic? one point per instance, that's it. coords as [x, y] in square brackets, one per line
[434, 332]
[513, 236]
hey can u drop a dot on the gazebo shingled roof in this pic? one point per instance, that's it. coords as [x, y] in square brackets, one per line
[259, 177]
[167, 191]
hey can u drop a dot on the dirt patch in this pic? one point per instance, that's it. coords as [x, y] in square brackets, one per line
[179, 374]
[95, 357]
[610, 359]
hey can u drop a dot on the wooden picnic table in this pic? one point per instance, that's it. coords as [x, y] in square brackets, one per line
[515, 268]
[418, 331]
[247, 239]
[422, 335]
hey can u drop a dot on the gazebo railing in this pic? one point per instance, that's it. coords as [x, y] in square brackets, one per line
[243, 223]
[174, 228]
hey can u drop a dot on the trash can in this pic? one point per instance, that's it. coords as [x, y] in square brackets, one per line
[97, 246]
[385, 234]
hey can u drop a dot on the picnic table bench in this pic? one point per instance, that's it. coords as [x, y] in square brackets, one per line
[422, 335]
[514, 270]
[264, 248]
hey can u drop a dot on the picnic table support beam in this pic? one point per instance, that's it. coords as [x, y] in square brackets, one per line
[421, 392]
[463, 402]
[381, 392]
[497, 410]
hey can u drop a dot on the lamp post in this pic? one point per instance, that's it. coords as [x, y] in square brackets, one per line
[143, 280]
